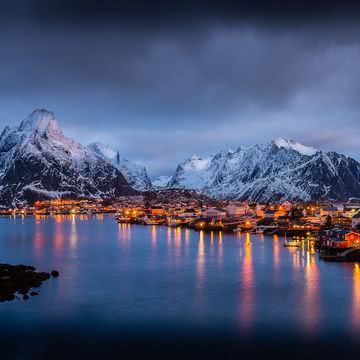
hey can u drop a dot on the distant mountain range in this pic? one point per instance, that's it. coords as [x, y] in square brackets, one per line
[281, 170]
[38, 162]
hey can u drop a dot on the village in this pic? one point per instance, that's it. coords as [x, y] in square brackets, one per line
[332, 227]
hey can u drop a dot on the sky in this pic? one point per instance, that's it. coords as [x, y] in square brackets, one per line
[162, 81]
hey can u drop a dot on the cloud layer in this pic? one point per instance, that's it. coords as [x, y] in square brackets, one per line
[163, 81]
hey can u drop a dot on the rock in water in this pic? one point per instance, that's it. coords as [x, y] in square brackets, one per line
[19, 279]
[55, 273]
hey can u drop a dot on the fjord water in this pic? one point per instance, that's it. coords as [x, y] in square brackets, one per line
[157, 280]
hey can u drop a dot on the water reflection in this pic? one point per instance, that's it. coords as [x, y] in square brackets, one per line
[39, 238]
[211, 242]
[177, 234]
[59, 234]
[200, 275]
[153, 237]
[356, 298]
[124, 234]
[169, 238]
[247, 278]
[201, 259]
[73, 233]
[276, 259]
[276, 252]
[312, 309]
[220, 249]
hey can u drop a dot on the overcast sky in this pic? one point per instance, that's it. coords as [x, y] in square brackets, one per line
[163, 81]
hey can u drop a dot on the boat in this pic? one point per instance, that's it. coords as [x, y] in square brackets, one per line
[122, 219]
[291, 243]
[258, 231]
[151, 222]
[173, 223]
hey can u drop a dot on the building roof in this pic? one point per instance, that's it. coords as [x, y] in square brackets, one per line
[330, 208]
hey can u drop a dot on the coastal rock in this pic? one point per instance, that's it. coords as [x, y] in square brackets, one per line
[19, 279]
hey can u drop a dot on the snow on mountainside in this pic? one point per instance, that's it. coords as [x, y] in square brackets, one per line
[161, 182]
[291, 144]
[281, 170]
[37, 161]
[135, 174]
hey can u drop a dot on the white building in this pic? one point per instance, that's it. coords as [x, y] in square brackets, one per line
[214, 213]
[235, 210]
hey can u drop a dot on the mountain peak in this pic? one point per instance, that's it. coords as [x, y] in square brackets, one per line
[39, 120]
[293, 145]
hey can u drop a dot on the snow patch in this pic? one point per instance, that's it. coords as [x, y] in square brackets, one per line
[161, 181]
[291, 144]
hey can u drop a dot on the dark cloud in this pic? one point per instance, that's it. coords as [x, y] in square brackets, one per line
[163, 80]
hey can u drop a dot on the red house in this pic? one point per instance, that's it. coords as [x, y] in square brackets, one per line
[352, 239]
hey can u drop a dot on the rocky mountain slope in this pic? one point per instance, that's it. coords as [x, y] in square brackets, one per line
[281, 170]
[38, 162]
[135, 174]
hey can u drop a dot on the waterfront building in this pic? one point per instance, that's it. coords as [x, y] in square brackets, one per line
[157, 210]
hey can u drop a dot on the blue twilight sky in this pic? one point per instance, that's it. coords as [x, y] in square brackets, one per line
[162, 81]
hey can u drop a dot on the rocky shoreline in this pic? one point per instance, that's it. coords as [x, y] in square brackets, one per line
[18, 281]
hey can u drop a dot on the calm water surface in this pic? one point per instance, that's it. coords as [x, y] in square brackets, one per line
[133, 276]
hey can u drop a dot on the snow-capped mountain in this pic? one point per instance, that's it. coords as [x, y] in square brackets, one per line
[281, 170]
[37, 161]
[161, 182]
[135, 174]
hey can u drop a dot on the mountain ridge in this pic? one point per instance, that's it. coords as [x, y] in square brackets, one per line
[278, 171]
